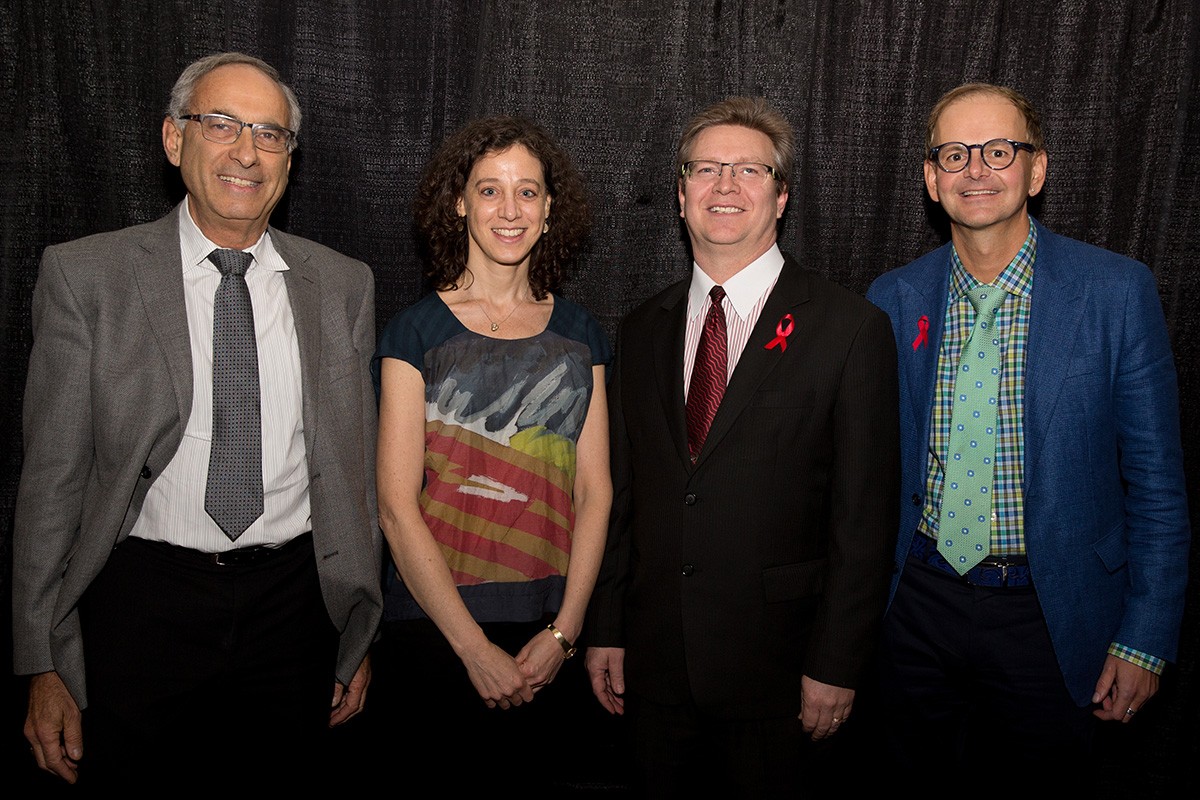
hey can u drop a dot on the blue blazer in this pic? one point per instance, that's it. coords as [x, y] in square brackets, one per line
[1106, 520]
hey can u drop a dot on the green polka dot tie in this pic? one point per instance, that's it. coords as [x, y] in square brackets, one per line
[964, 533]
[233, 496]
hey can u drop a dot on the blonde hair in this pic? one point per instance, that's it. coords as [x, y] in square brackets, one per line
[747, 112]
[1033, 120]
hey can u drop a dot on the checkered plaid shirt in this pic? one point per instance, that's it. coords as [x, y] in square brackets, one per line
[1012, 324]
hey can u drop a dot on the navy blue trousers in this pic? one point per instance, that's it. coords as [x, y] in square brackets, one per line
[970, 689]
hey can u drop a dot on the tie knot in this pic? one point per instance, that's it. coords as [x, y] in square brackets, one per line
[716, 294]
[233, 262]
[986, 299]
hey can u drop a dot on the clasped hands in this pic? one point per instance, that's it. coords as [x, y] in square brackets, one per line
[504, 681]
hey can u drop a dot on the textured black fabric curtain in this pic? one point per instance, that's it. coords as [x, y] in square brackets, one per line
[84, 87]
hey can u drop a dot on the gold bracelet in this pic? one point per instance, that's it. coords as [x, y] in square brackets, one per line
[568, 648]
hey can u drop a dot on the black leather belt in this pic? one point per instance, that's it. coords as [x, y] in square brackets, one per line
[242, 556]
[237, 557]
[997, 572]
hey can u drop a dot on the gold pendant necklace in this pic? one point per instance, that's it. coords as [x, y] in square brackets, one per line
[496, 325]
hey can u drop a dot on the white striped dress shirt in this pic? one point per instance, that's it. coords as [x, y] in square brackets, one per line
[174, 507]
[745, 295]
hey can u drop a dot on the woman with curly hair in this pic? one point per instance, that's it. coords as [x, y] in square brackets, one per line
[493, 479]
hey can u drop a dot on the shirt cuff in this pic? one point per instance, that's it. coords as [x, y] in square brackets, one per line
[1143, 660]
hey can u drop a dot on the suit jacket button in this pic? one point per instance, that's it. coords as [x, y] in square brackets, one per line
[916, 499]
[689, 499]
[688, 570]
[145, 471]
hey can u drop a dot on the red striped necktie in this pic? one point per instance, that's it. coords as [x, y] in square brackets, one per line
[708, 374]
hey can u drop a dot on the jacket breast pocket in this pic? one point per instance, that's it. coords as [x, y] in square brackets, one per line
[1092, 362]
[343, 368]
[777, 398]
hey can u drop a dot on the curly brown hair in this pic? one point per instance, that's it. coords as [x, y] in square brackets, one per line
[445, 180]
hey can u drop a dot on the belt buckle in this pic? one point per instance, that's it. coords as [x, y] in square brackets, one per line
[1001, 567]
[237, 556]
[1005, 568]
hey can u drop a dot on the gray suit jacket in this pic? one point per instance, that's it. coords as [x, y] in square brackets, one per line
[107, 398]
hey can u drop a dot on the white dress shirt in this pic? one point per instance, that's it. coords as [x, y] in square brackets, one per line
[174, 507]
[745, 295]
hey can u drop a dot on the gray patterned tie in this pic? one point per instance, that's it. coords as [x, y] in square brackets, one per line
[234, 496]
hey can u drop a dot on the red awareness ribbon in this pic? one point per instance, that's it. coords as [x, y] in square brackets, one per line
[923, 336]
[782, 331]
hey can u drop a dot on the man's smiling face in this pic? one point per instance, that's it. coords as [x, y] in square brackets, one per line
[731, 218]
[979, 198]
[232, 188]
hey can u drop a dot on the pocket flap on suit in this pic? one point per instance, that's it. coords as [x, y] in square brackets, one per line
[342, 368]
[793, 581]
[1112, 549]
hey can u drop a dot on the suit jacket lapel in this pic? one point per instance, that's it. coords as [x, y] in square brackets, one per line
[922, 302]
[1055, 316]
[789, 295]
[303, 283]
[668, 335]
[159, 276]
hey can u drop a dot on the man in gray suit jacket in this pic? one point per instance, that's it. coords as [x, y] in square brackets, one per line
[173, 646]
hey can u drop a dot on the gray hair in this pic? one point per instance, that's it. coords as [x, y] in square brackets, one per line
[185, 86]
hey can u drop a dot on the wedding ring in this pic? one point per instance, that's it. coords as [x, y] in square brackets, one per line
[835, 719]
[1129, 712]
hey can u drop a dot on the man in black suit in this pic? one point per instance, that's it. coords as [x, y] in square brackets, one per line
[750, 548]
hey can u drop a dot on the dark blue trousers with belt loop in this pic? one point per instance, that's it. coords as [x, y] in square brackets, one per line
[970, 689]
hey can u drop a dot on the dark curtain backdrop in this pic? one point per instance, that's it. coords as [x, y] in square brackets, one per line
[84, 87]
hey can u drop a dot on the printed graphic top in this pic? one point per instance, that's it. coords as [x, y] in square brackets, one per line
[502, 420]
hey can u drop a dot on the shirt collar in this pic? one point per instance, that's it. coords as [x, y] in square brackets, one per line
[744, 289]
[195, 246]
[1016, 278]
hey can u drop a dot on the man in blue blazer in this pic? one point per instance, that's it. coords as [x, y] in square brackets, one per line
[1076, 605]
[164, 648]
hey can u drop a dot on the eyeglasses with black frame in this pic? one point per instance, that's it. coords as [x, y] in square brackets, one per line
[748, 172]
[996, 154]
[222, 129]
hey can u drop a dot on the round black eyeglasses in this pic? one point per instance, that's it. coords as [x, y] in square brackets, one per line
[996, 154]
